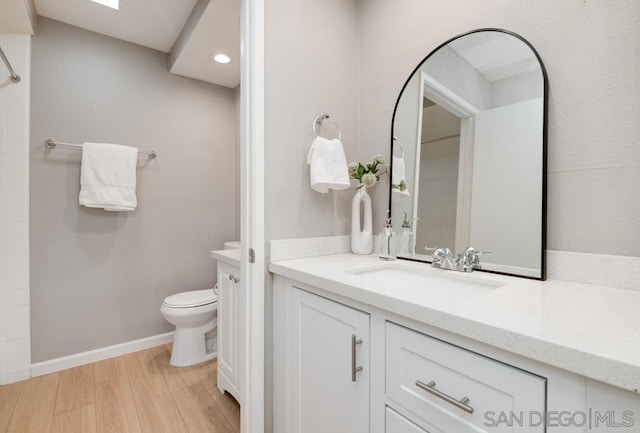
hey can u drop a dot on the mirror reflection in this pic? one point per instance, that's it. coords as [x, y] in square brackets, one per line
[468, 154]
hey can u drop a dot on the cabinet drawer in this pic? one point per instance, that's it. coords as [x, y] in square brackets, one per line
[396, 423]
[469, 392]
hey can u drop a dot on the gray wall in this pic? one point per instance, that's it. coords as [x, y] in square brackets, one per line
[590, 52]
[99, 278]
[237, 186]
[311, 55]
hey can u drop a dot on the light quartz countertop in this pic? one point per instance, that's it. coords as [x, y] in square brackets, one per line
[230, 257]
[590, 330]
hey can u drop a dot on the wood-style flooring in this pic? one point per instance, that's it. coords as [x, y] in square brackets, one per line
[135, 393]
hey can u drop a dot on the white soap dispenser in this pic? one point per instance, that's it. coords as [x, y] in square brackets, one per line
[406, 238]
[387, 241]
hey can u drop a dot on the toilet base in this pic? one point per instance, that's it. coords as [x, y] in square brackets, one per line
[190, 346]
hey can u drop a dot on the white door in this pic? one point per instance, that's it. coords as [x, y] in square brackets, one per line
[506, 215]
[330, 366]
[228, 335]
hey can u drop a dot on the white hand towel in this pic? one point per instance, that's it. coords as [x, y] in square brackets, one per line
[328, 165]
[398, 174]
[108, 176]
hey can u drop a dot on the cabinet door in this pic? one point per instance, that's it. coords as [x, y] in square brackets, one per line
[228, 333]
[330, 344]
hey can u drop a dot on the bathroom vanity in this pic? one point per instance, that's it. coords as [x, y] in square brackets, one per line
[362, 345]
[229, 321]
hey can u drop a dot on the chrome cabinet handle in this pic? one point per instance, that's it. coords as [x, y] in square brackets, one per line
[231, 277]
[236, 279]
[430, 388]
[354, 369]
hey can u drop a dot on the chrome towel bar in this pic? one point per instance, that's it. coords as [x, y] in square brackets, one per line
[14, 77]
[51, 144]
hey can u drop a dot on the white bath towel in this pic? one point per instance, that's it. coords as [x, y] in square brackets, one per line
[398, 174]
[108, 176]
[328, 165]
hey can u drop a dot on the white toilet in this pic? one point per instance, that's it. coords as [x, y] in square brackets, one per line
[194, 316]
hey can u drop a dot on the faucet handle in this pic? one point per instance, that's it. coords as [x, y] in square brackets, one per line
[470, 257]
[440, 251]
[438, 254]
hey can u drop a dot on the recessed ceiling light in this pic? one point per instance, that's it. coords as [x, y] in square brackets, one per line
[113, 4]
[221, 58]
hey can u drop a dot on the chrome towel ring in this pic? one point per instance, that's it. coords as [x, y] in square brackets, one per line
[319, 119]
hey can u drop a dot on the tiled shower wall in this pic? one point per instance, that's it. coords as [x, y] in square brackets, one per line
[15, 345]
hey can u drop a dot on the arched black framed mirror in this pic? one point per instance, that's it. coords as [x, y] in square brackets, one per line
[468, 144]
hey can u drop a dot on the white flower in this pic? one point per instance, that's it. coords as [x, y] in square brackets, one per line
[379, 158]
[369, 179]
[353, 169]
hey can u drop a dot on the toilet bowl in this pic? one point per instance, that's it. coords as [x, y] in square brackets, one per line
[194, 316]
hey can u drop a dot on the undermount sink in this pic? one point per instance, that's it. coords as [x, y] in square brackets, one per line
[437, 282]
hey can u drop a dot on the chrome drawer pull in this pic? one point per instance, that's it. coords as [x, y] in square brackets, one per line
[430, 388]
[354, 369]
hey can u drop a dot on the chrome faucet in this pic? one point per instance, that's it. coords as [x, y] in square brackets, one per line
[468, 261]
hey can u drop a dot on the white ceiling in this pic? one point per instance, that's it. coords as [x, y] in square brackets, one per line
[151, 23]
[496, 55]
[158, 24]
[217, 31]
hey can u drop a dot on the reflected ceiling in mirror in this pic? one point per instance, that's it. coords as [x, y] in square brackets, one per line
[469, 151]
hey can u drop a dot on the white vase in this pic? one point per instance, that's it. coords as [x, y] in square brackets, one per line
[361, 237]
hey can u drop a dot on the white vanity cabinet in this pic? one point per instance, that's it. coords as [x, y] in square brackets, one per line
[417, 378]
[229, 316]
[325, 366]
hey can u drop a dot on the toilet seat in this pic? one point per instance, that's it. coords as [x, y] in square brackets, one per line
[195, 298]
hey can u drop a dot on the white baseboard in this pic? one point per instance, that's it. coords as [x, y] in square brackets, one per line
[83, 358]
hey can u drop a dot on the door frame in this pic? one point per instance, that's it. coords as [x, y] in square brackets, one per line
[252, 231]
[459, 107]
